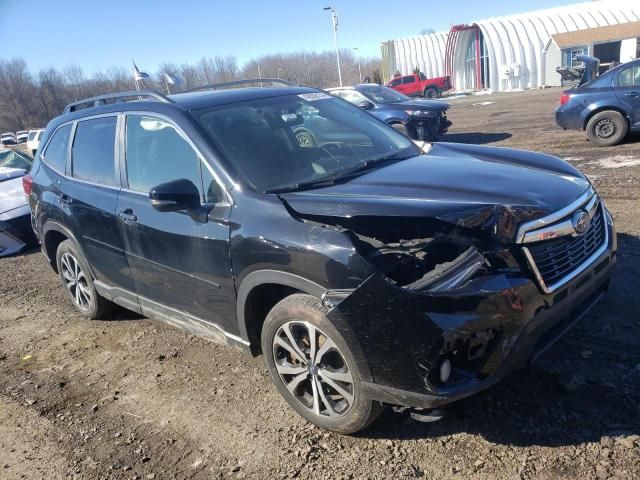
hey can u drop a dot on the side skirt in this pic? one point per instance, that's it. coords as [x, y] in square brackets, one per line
[157, 311]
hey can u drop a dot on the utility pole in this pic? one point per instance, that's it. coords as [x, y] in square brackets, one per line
[359, 70]
[334, 19]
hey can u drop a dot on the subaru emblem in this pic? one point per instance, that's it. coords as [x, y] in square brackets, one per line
[580, 222]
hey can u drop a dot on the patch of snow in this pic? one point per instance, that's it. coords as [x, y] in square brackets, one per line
[619, 161]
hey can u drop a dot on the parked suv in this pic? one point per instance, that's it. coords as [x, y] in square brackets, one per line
[367, 271]
[418, 119]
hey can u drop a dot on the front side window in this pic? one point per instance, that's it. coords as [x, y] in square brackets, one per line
[93, 150]
[156, 153]
[291, 141]
[409, 79]
[56, 153]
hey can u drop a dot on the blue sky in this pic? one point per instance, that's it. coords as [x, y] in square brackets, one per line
[97, 34]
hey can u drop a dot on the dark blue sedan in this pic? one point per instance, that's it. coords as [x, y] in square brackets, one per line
[417, 119]
[607, 108]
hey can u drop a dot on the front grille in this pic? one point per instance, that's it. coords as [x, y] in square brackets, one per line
[557, 258]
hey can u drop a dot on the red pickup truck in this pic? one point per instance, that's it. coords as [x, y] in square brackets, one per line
[419, 85]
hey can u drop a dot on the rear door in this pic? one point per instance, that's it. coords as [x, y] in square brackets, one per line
[396, 83]
[89, 193]
[180, 262]
[628, 91]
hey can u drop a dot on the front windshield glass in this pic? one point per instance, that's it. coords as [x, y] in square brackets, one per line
[10, 159]
[286, 141]
[381, 94]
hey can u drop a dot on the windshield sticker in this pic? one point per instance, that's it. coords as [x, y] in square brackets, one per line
[311, 97]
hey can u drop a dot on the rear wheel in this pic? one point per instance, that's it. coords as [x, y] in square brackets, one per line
[313, 367]
[431, 92]
[607, 128]
[76, 278]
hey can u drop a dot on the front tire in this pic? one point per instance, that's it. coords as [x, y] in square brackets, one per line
[313, 367]
[77, 281]
[607, 128]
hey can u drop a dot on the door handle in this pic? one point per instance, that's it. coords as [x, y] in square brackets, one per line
[127, 215]
[632, 94]
[66, 199]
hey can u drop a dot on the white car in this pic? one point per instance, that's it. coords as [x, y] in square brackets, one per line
[8, 138]
[33, 142]
[22, 136]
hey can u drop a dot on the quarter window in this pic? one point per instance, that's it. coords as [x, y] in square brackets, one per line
[56, 153]
[92, 154]
[156, 153]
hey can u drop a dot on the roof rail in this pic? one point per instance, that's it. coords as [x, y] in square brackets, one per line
[102, 99]
[216, 86]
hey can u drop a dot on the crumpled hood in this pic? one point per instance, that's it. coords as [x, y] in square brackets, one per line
[487, 188]
[11, 191]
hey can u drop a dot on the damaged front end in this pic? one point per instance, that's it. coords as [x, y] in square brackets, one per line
[444, 309]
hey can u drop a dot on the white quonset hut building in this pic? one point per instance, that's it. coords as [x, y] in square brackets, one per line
[520, 51]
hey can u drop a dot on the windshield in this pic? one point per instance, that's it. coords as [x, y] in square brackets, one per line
[12, 159]
[381, 94]
[285, 141]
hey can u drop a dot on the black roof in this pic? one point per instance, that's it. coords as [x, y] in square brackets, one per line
[213, 98]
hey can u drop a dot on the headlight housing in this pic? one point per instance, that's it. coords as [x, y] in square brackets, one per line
[421, 113]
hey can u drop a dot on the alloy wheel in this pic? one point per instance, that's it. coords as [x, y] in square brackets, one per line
[313, 369]
[76, 281]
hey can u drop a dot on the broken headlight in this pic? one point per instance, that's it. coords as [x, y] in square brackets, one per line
[451, 275]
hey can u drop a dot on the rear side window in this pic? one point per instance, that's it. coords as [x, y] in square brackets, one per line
[92, 154]
[56, 153]
[156, 153]
[395, 82]
[629, 77]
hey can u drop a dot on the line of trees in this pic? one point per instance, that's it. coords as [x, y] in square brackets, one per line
[30, 100]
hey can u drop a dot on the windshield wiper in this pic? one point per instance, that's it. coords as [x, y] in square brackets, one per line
[342, 173]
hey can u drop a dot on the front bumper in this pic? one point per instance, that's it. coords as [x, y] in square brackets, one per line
[489, 328]
[428, 128]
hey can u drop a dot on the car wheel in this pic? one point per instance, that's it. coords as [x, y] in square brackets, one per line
[607, 128]
[76, 278]
[305, 139]
[431, 92]
[313, 367]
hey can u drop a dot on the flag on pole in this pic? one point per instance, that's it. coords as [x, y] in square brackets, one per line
[138, 76]
[173, 79]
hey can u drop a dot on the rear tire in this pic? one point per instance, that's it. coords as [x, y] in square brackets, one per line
[431, 92]
[75, 275]
[313, 368]
[607, 128]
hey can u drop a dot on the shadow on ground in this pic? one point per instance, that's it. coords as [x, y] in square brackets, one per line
[476, 138]
[585, 388]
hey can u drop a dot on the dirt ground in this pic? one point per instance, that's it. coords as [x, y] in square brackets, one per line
[132, 398]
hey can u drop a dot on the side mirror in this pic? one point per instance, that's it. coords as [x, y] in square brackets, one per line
[174, 196]
[366, 105]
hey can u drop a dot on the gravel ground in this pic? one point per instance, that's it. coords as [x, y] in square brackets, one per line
[132, 398]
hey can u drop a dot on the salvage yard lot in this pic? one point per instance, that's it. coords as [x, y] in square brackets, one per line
[133, 398]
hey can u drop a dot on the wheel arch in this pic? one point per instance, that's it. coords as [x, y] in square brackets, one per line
[604, 108]
[53, 234]
[259, 292]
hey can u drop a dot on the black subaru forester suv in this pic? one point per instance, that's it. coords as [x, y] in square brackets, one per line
[367, 269]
